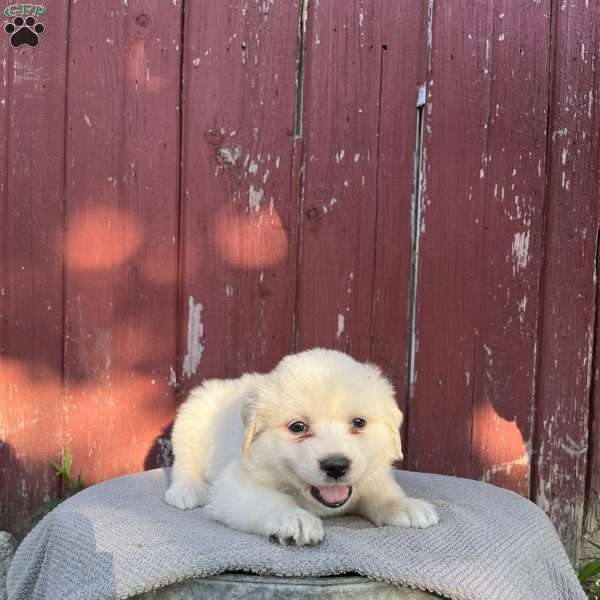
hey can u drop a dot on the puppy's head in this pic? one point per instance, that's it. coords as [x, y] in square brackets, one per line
[319, 423]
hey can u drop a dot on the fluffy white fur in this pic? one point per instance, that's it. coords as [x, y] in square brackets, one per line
[235, 453]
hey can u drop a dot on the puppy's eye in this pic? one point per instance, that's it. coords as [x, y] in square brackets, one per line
[298, 427]
[358, 423]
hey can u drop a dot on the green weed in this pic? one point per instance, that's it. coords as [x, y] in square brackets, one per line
[589, 576]
[69, 486]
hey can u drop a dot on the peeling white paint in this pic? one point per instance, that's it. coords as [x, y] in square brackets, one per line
[506, 467]
[571, 448]
[520, 251]
[541, 499]
[487, 57]
[522, 309]
[563, 156]
[340, 325]
[255, 197]
[228, 290]
[430, 28]
[172, 378]
[228, 155]
[327, 207]
[559, 133]
[422, 95]
[195, 336]
[87, 120]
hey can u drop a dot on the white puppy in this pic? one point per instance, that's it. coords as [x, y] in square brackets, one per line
[317, 437]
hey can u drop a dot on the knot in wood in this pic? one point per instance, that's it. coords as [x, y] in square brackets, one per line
[142, 20]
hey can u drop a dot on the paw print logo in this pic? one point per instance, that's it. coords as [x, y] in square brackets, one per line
[24, 31]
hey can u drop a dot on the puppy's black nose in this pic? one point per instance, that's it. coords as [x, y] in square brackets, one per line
[335, 465]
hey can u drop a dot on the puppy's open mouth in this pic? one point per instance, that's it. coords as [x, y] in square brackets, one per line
[332, 496]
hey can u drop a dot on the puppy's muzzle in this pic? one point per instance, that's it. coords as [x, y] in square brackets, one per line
[335, 465]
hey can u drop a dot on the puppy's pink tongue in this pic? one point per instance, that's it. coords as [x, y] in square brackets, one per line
[334, 493]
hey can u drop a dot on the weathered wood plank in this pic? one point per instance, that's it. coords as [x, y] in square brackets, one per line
[591, 521]
[569, 276]
[403, 72]
[450, 244]
[239, 217]
[513, 169]
[32, 112]
[480, 245]
[121, 231]
[340, 121]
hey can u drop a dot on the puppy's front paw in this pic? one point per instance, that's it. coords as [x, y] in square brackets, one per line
[295, 526]
[187, 494]
[409, 512]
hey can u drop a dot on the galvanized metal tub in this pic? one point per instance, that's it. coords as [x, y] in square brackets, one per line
[256, 587]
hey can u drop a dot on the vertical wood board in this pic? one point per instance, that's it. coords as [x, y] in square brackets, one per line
[121, 231]
[450, 243]
[480, 246]
[570, 284]
[591, 521]
[339, 194]
[403, 73]
[513, 169]
[239, 219]
[32, 112]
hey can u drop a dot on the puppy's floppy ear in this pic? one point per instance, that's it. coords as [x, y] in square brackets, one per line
[250, 420]
[394, 423]
[394, 416]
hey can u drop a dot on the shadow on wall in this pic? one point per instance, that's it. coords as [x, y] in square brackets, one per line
[119, 319]
[115, 277]
[161, 451]
[25, 486]
[500, 454]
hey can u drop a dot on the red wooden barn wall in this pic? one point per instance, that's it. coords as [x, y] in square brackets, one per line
[195, 189]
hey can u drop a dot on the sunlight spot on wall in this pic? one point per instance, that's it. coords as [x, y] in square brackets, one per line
[499, 447]
[253, 240]
[101, 238]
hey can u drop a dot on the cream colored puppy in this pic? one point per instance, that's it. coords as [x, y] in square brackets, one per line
[317, 437]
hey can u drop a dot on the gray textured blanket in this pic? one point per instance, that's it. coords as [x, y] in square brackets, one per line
[119, 538]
